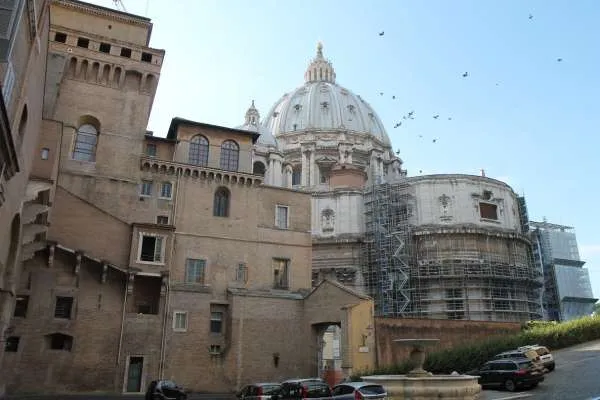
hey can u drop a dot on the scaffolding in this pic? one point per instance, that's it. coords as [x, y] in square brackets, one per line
[389, 209]
[444, 271]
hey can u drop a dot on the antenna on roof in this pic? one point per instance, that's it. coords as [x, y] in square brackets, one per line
[119, 4]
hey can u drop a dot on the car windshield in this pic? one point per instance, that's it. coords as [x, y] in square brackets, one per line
[542, 351]
[372, 389]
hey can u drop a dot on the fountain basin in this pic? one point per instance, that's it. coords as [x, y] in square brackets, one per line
[448, 387]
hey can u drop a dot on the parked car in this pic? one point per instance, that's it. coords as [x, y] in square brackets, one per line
[546, 357]
[517, 354]
[311, 388]
[165, 390]
[259, 391]
[509, 374]
[358, 391]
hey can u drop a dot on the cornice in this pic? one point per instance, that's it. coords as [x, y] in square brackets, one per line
[104, 12]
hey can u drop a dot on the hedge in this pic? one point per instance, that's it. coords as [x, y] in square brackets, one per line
[468, 357]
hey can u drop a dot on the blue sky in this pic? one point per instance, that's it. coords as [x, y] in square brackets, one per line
[521, 115]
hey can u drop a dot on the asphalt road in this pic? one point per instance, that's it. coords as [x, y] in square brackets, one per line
[576, 377]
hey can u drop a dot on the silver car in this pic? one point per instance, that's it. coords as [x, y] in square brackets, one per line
[358, 391]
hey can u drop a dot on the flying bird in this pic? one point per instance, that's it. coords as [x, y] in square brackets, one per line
[559, 59]
[381, 93]
[381, 33]
[530, 16]
[465, 74]
[449, 118]
[397, 152]
[436, 116]
[393, 97]
[434, 140]
[420, 171]
[420, 136]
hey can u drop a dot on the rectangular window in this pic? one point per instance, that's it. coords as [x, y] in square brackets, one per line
[488, 211]
[104, 47]
[146, 57]
[21, 306]
[242, 273]
[215, 349]
[180, 323]
[162, 220]
[165, 190]
[151, 249]
[45, 153]
[151, 150]
[125, 52]
[195, 270]
[59, 341]
[12, 344]
[216, 322]
[60, 37]
[280, 273]
[281, 217]
[63, 307]
[146, 189]
[83, 42]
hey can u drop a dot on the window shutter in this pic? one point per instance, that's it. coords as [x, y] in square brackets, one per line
[158, 249]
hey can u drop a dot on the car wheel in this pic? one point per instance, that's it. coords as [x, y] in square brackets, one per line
[534, 384]
[509, 385]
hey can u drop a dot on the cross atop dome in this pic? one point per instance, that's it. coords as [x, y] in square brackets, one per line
[320, 69]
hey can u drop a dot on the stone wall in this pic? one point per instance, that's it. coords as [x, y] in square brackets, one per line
[450, 332]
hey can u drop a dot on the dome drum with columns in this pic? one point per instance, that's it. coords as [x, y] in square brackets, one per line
[317, 126]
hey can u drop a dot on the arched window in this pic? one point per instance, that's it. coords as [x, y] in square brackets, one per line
[258, 168]
[221, 202]
[230, 155]
[198, 151]
[297, 176]
[85, 143]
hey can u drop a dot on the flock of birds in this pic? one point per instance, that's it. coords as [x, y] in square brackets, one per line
[411, 114]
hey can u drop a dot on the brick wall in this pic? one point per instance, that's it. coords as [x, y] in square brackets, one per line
[94, 326]
[450, 332]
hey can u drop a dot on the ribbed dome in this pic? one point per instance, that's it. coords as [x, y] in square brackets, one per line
[321, 104]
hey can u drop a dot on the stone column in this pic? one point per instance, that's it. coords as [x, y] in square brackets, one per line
[314, 172]
[305, 168]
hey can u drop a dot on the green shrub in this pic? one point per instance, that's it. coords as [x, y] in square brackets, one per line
[468, 357]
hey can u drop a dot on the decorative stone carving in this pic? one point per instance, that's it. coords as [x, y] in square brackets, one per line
[327, 220]
[445, 203]
[104, 273]
[51, 250]
[130, 282]
[77, 268]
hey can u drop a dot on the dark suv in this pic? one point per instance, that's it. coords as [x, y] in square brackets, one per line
[509, 374]
[165, 390]
[312, 388]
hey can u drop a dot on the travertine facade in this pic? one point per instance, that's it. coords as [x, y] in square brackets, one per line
[166, 257]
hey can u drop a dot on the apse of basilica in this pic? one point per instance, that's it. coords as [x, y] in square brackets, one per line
[323, 138]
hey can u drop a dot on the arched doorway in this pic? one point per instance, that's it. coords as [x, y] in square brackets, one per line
[329, 351]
